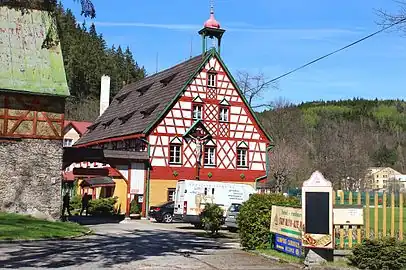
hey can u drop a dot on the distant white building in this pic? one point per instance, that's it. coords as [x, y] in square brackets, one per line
[380, 177]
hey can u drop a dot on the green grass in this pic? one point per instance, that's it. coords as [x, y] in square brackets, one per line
[286, 258]
[281, 256]
[388, 218]
[20, 227]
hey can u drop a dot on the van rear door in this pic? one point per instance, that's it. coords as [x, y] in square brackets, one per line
[179, 197]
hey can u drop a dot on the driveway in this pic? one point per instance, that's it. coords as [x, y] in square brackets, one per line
[134, 245]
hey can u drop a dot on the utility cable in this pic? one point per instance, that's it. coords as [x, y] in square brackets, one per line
[334, 52]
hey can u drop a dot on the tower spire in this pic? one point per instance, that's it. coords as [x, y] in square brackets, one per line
[212, 30]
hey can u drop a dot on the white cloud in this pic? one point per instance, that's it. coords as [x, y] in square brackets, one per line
[300, 33]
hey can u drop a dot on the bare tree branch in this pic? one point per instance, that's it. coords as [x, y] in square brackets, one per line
[253, 87]
[284, 161]
[386, 18]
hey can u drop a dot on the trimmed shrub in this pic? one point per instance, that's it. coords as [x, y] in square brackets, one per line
[387, 254]
[75, 203]
[212, 218]
[254, 218]
[102, 207]
[134, 207]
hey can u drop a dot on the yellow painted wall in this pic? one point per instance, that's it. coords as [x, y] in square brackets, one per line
[159, 189]
[120, 191]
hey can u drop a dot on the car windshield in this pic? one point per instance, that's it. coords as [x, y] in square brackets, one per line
[234, 208]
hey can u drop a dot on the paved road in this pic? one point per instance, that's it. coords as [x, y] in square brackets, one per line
[134, 245]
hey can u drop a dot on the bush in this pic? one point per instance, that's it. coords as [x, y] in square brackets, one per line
[75, 203]
[212, 218]
[254, 218]
[102, 207]
[379, 254]
[134, 207]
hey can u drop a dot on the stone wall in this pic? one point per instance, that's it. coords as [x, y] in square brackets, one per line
[30, 177]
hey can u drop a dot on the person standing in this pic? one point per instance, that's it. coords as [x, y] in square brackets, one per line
[66, 202]
[85, 204]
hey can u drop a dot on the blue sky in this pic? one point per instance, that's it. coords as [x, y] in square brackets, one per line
[271, 37]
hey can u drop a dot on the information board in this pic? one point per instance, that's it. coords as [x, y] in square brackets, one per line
[286, 221]
[317, 212]
[288, 245]
[347, 215]
[317, 205]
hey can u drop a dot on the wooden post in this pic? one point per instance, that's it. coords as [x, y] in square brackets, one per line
[350, 198]
[341, 237]
[350, 236]
[392, 219]
[376, 218]
[367, 215]
[359, 198]
[359, 234]
[342, 197]
[334, 197]
[401, 216]
[384, 215]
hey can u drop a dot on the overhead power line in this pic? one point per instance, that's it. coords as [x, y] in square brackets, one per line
[336, 51]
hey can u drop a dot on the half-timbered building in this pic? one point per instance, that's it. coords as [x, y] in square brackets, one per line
[190, 121]
[33, 89]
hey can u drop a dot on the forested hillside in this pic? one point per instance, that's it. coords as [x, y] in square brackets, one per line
[87, 58]
[339, 138]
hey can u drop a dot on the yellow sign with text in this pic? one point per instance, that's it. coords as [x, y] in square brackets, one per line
[287, 221]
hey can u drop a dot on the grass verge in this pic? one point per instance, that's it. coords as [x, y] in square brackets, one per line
[21, 227]
[283, 257]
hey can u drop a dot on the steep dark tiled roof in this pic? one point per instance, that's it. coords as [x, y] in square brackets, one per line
[139, 104]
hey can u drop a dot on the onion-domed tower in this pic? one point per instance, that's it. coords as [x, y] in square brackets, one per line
[211, 29]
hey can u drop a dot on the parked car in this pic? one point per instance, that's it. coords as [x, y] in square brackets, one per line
[231, 217]
[163, 212]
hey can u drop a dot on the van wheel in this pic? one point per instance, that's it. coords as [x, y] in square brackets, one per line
[167, 218]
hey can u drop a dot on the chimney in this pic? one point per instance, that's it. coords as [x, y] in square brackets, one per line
[104, 93]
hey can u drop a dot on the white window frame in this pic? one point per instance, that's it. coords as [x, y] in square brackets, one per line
[67, 142]
[211, 79]
[242, 157]
[171, 194]
[210, 156]
[223, 117]
[197, 111]
[175, 153]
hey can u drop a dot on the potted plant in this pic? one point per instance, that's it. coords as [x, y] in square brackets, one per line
[135, 211]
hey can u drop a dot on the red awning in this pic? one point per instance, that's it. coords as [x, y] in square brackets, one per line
[68, 176]
[86, 172]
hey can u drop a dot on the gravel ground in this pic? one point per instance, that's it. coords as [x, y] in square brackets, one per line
[134, 245]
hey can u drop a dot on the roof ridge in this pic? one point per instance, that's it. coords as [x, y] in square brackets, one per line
[163, 71]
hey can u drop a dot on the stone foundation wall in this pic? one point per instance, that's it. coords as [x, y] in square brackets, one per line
[30, 177]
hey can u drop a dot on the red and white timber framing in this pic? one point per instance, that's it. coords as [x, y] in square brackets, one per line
[30, 116]
[241, 128]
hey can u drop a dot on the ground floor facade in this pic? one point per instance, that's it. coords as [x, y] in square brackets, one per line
[30, 177]
[163, 190]
[105, 187]
[135, 181]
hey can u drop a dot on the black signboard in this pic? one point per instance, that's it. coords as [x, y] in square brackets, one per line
[317, 213]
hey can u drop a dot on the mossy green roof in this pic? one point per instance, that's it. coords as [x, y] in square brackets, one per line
[25, 65]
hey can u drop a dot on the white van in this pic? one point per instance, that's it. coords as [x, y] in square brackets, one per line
[192, 195]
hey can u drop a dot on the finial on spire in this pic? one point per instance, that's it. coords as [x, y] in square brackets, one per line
[212, 22]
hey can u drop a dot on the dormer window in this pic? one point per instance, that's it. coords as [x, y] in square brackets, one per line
[197, 111]
[211, 79]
